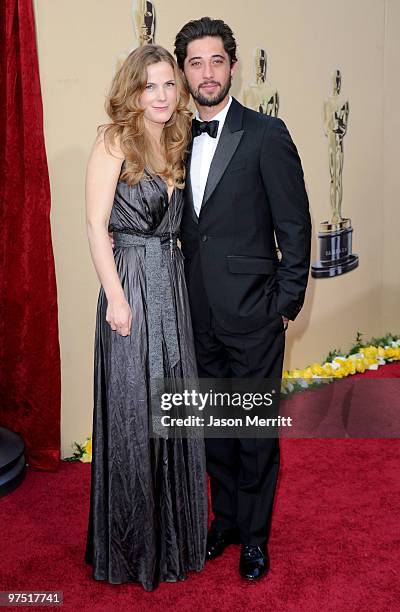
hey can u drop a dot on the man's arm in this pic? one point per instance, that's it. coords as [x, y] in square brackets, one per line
[283, 179]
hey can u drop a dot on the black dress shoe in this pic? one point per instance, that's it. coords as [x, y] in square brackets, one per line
[217, 541]
[254, 562]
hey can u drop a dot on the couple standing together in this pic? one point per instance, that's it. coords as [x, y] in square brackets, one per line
[225, 184]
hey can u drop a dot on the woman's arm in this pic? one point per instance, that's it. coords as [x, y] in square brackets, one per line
[102, 174]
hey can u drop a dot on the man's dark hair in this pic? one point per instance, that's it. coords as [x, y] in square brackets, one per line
[199, 28]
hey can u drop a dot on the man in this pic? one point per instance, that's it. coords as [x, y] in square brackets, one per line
[244, 183]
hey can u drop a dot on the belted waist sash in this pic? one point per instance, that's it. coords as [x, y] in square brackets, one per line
[127, 240]
[160, 313]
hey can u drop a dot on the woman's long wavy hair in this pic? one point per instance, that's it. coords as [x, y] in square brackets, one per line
[127, 127]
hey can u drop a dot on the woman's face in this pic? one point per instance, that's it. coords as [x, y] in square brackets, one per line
[159, 98]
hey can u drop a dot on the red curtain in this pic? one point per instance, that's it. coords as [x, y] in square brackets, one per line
[29, 347]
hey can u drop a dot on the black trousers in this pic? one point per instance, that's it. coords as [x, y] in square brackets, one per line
[243, 472]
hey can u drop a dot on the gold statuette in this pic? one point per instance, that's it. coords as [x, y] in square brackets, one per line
[144, 21]
[261, 96]
[336, 116]
[335, 235]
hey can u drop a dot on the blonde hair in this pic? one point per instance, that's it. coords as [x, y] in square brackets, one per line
[127, 127]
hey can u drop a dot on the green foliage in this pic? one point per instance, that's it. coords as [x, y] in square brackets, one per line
[385, 340]
[359, 344]
[332, 354]
[78, 452]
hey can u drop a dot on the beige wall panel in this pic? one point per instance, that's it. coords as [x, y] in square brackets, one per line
[391, 185]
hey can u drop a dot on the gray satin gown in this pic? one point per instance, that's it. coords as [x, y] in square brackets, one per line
[148, 501]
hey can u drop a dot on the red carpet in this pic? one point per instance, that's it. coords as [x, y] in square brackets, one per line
[335, 539]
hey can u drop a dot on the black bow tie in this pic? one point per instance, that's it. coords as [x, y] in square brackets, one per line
[210, 127]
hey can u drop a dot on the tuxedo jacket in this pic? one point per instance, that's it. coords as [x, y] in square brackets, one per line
[255, 189]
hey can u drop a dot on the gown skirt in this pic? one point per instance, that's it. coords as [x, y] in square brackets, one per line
[148, 501]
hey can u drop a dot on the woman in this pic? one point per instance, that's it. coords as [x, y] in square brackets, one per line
[148, 505]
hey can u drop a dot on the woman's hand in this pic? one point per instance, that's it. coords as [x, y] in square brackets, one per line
[119, 316]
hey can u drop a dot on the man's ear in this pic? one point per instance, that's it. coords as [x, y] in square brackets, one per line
[234, 67]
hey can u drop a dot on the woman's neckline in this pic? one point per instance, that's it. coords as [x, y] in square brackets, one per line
[164, 184]
[158, 178]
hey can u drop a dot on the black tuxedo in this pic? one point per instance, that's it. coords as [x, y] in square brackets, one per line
[255, 187]
[238, 290]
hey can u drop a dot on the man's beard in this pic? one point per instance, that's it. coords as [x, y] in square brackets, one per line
[203, 101]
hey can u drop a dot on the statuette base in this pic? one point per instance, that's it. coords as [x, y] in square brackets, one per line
[335, 250]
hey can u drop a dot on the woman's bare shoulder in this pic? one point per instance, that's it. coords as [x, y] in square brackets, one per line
[109, 143]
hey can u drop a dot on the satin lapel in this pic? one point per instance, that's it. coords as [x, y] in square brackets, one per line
[228, 143]
[188, 188]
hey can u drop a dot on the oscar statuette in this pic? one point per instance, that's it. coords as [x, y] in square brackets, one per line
[261, 96]
[144, 23]
[335, 235]
[144, 19]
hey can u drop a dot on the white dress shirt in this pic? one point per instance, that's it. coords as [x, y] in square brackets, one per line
[202, 153]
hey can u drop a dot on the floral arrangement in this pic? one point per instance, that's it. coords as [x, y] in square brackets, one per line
[361, 357]
[82, 452]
